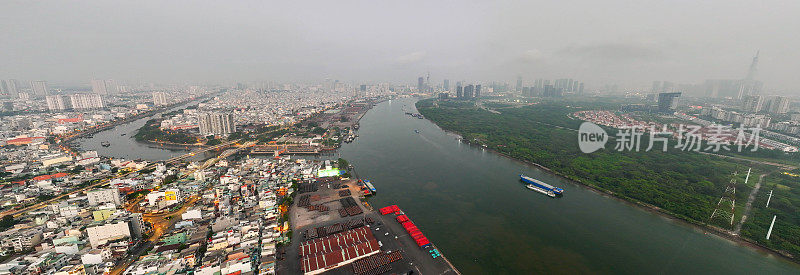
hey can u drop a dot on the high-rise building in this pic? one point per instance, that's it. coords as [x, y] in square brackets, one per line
[469, 91]
[420, 84]
[111, 87]
[667, 103]
[39, 88]
[58, 103]
[551, 91]
[10, 87]
[779, 105]
[99, 87]
[753, 103]
[216, 124]
[446, 85]
[86, 101]
[518, 88]
[459, 91]
[478, 90]
[159, 98]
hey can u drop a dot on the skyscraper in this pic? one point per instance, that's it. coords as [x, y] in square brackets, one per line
[469, 91]
[753, 103]
[667, 103]
[99, 87]
[216, 124]
[779, 105]
[159, 98]
[420, 84]
[86, 101]
[10, 87]
[446, 85]
[111, 87]
[518, 88]
[39, 88]
[58, 103]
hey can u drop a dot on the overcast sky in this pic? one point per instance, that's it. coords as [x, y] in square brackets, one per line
[630, 43]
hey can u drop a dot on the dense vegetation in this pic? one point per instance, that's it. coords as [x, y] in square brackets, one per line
[685, 184]
[785, 204]
[151, 131]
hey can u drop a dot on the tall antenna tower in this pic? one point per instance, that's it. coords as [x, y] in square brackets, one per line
[727, 203]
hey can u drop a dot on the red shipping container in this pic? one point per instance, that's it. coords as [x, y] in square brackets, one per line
[402, 218]
[386, 210]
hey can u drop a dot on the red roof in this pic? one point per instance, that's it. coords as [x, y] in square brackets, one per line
[73, 120]
[332, 250]
[24, 140]
[47, 177]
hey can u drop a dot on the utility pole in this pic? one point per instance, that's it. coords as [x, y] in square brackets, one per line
[770, 197]
[770, 226]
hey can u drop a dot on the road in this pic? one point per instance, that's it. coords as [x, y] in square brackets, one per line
[749, 205]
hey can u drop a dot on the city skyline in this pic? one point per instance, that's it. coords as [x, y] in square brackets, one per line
[503, 40]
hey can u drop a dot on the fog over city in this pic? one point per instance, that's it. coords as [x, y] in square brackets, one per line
[629, 43]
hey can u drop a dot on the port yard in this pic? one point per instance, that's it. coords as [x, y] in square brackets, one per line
[331, 211]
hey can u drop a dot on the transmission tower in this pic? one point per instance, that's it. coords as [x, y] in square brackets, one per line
[727, 203]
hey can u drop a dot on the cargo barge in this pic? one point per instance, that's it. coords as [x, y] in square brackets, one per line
[541, 187]
[369, 185]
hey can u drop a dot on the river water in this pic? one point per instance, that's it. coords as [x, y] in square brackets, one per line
[123, 145]
[471, 204]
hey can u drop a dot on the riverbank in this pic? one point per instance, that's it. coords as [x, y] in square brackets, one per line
[170, 145]
[702, 227]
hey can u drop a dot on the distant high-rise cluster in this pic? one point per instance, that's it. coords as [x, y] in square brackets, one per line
[736, 88]
[758, 103]
[160, 99]
[74, 101]
[542, 87]
[39, 88]
[104, 87]
[466, 92]
[9, 87]
[214, 123]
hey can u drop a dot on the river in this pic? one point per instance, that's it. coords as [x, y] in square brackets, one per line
[470, 203]
[123, 145]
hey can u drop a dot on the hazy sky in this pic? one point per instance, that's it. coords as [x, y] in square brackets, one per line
[630, 43]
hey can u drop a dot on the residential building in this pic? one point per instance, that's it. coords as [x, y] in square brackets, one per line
[101, 196]
[216, 124]
[86, 101]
